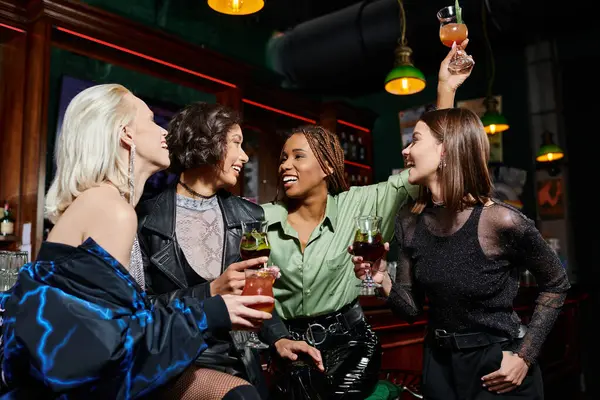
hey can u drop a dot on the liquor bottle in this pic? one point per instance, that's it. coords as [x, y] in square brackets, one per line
[362, 154]
[344, 143]
[7, 222]
[353, 148]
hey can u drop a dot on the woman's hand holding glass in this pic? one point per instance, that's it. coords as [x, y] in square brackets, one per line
[241, 313]
[378, 269]
[452, 81]
[233, 279]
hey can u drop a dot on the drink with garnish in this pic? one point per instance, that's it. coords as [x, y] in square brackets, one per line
[259, 282]
[255, 242]
[454, 30]
[368, 244]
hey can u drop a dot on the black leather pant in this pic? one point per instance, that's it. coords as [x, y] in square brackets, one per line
[352, 361]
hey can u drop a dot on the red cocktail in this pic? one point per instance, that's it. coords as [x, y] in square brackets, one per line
[368, 244]
[369, 247]
[260, 283]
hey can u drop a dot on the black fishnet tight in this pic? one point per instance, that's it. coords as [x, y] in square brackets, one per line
[201, 384]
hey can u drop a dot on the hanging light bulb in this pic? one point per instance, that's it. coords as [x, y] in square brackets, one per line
[549, 151]
[404, 78]
[236, 7]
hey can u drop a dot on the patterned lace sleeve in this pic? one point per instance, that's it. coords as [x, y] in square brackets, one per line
[532, 252]
[405, 298]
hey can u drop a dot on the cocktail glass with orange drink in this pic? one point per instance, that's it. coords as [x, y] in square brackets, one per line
[259, 282]
[454, 30]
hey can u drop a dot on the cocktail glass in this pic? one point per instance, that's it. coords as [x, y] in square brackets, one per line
[368, 244]
[255, 242]
[259, 282]
[451, 31]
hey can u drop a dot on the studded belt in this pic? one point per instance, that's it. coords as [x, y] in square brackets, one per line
[315, 331]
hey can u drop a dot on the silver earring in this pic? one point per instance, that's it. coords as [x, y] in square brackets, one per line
[442, 164]
[130, 173]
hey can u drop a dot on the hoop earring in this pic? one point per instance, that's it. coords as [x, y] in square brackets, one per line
[130, 173]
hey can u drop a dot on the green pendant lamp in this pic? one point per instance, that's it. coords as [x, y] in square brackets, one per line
[549, 151]
[404, 78]
[236, 7]
[493, 121]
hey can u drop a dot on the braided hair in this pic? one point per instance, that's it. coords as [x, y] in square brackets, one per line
[328, 151]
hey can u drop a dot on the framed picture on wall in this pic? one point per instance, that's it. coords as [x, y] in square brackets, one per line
[408, 119]
[550, 199]
[477, 106]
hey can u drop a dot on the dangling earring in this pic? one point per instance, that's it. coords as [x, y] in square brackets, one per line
[442, 164]
[130, 173]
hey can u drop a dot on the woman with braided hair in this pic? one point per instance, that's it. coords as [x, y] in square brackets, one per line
[309, 230]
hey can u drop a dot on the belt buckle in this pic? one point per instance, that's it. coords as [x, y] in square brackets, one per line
[310, 337]
[440, 333]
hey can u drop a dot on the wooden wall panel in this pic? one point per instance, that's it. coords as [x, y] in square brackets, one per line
[33, 171]
[11, 114]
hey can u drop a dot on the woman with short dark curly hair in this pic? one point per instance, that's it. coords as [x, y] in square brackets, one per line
[190, 234]
[198, 136]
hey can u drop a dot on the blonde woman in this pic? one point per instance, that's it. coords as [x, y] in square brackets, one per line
[77, 323]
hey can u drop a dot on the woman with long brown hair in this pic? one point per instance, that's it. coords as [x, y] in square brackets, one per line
[475, 347]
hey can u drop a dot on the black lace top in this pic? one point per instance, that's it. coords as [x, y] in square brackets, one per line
[467, 263]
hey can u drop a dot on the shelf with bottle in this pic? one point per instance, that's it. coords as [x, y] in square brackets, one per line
[356, 148]
[352, 126]
[358, 178]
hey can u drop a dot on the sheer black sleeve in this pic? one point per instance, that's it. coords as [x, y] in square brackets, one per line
[405, 299]
[529, 250]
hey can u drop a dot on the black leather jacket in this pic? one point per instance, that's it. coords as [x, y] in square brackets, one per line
[168, 274]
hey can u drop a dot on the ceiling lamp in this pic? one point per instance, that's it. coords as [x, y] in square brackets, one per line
[404, 78]
[493, 121]
[236, 7]
[549, 151]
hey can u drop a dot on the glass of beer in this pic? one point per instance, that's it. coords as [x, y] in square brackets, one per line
[368, 244]
[259, 282]
[255, 242]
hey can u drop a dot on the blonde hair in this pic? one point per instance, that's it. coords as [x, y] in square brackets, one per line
[87, 151]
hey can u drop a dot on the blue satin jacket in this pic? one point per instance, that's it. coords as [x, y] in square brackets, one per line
[76, 325]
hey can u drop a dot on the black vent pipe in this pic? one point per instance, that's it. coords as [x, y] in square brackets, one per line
[336, 45]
